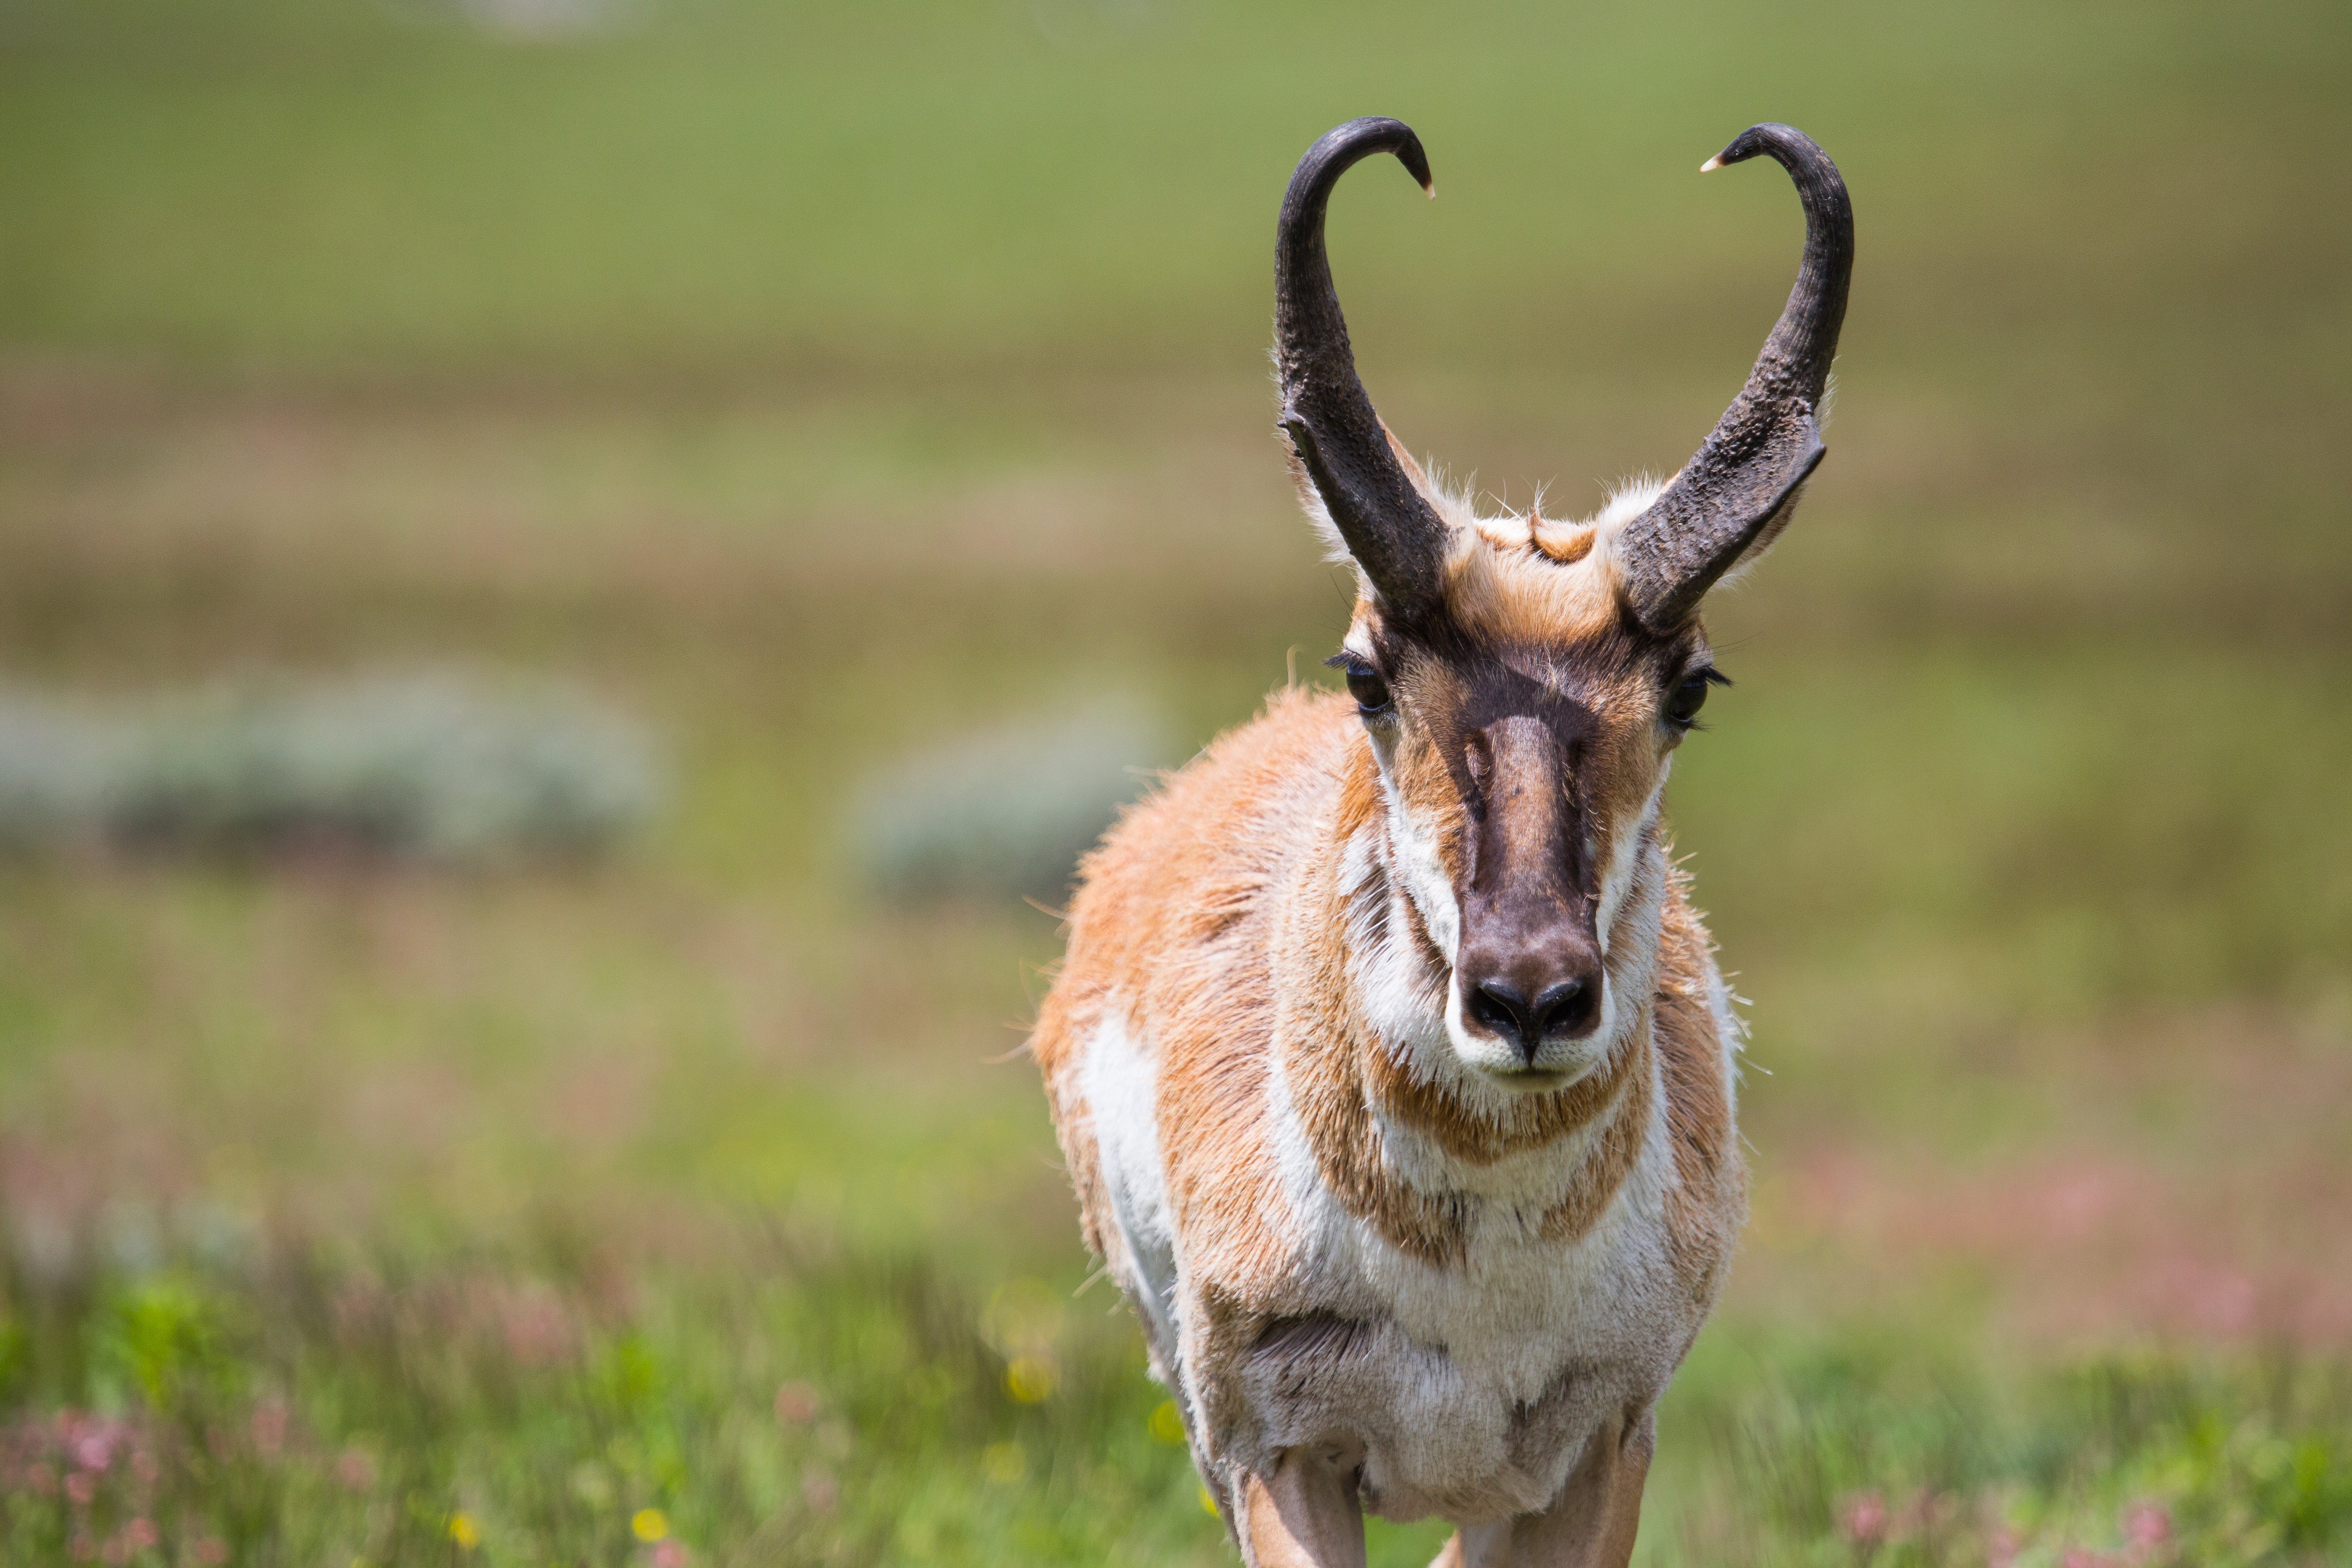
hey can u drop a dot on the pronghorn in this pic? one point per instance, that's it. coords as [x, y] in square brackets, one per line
[1392, 1067]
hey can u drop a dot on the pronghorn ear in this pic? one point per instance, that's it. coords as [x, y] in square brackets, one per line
[1413, 470]
[1629, 504]
[1769, 535]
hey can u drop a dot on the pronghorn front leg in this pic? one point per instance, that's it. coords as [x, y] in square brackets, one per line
[1589, 1525]
[1304, 1515]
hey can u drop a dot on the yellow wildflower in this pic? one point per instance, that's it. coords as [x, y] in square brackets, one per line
[1031, 1379]
[1004, 1463]
[465, 1532]
[649, 1524]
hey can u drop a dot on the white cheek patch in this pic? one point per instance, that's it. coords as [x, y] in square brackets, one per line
[1625, 844]
[1413, 851]
[1622, 882]
[1390, 976]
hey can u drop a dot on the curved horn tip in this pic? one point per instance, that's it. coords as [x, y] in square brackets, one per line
[1407, 144]
[1744, 146]
[1761, 137]
[1415, 161]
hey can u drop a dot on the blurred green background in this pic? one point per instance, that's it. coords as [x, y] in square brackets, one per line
[835, 391]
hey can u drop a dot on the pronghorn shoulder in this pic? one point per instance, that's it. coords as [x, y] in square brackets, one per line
[1191, 862]
[1170, 951]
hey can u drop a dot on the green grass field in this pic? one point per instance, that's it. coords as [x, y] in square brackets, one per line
[820, 384]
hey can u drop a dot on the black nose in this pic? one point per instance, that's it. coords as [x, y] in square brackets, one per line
[1566, 1010]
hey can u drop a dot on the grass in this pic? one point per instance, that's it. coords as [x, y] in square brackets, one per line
[825, 385]
[803, 1403]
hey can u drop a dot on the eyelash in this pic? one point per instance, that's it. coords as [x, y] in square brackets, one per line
[1706, 677]
[1362, 679]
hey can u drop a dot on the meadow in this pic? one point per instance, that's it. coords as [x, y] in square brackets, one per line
[825, 385]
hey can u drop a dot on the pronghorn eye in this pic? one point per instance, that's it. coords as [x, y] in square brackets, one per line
[1370, 692]
[1690, 696]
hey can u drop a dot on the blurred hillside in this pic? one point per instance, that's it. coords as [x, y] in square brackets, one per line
[2104, 284]
[832, 386]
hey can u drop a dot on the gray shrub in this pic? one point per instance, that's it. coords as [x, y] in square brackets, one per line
[1005, 813]
[54, 765]
[439, 768]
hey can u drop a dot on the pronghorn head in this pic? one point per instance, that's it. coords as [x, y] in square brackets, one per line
[1524, 681]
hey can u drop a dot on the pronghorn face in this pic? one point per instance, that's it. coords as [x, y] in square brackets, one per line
[1525, 682]
[1523, 733]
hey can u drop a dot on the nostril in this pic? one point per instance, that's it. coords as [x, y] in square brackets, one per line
[1505, 1012]
[1570, 1008]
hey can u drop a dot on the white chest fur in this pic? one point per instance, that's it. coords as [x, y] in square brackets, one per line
[1464, 1389]
[1470, 1387]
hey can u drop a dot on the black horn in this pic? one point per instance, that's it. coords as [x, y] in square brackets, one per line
[1337, 440]
[1738, 491]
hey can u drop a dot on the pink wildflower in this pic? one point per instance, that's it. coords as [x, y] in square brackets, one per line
[796, 1404]
[2146, 1524]
[269, 1419]
[81, 1487]
[94, 1450]
[537, 1327]
[1863, 1520]
[356, 1470]
[131, 1539]
[210, 1551]
[669, 1553]
[2002, 1551]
